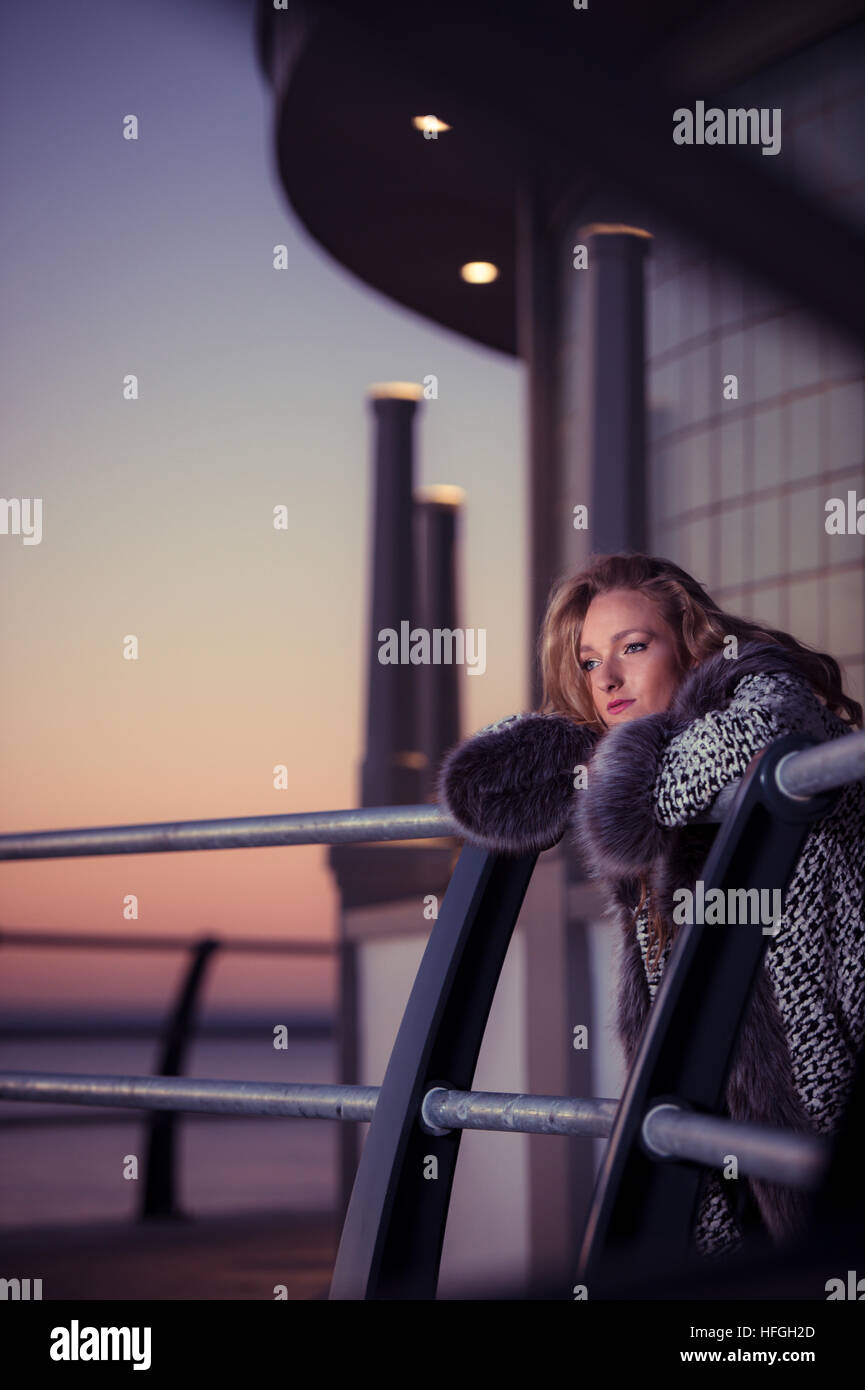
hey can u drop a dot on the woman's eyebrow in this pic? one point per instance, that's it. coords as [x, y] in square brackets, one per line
[616, 635]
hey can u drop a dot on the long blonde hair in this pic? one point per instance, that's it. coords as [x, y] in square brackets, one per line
[700, 627]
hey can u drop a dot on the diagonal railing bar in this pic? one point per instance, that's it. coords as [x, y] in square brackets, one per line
[159, 1198]
[394, 1228]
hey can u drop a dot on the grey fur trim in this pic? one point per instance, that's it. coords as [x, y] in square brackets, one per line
[512, 789]
[615, 826]
[711, 685]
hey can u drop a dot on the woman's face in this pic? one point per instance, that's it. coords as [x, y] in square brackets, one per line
[628, 653]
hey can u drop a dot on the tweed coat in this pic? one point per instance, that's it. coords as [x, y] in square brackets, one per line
[511, 788]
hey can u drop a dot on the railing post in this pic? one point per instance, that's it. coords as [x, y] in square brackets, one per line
[159, 1192]
[643, 1208]
[394, 1229]
[348, 1139]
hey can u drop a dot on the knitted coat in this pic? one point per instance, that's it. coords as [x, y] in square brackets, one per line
[511, 788]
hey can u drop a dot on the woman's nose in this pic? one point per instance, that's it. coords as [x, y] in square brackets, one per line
[609, 679]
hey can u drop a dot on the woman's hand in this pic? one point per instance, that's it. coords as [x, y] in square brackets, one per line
[511, 787]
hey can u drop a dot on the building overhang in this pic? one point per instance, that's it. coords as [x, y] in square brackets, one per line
[404, 212]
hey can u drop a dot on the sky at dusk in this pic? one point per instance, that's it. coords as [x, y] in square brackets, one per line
[154, 257]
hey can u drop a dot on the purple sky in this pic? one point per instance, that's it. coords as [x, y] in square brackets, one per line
[154, 257]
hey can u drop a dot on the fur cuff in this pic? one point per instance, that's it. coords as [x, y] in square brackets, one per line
[512, 790]
[615, 828]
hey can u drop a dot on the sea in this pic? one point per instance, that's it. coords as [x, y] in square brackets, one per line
[67, 1165]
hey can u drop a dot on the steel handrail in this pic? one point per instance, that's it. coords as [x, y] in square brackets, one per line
[357, 825]
[795, 1159]
[821, 768]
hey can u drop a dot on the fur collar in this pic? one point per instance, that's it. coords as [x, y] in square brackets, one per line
[711, 684]
[614, 823]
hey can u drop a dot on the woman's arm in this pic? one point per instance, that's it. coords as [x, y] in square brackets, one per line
[657, 773]
[511, 787]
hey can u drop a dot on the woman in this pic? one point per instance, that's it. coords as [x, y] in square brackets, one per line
[664, 699]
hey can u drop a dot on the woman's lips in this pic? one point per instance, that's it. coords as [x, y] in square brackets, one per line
[615, 705]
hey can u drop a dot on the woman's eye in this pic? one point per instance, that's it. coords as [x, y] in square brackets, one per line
[590, 661]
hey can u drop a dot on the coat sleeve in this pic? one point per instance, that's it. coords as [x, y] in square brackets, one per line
[841, 942]
[653, 775]
[510, 787]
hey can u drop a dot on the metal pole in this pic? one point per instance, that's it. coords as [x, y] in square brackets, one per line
[826, 766]
[158, 1199]
[348, 1140]
[793, 1159]
[671, 1132]
[273, 1098]
[517, 1114]
[418, 822]
[140, 942]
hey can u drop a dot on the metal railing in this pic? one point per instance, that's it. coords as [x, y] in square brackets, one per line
[798, 1160]
[821, 767]
[663, 1132]
[159, 1189]
[241, 832]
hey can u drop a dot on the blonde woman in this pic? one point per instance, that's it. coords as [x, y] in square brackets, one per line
[643, 686]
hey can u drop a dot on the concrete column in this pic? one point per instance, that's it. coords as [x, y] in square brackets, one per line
[393, 765]
[437, 511]
[581, 336]
[537, 335]
[614, 383]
